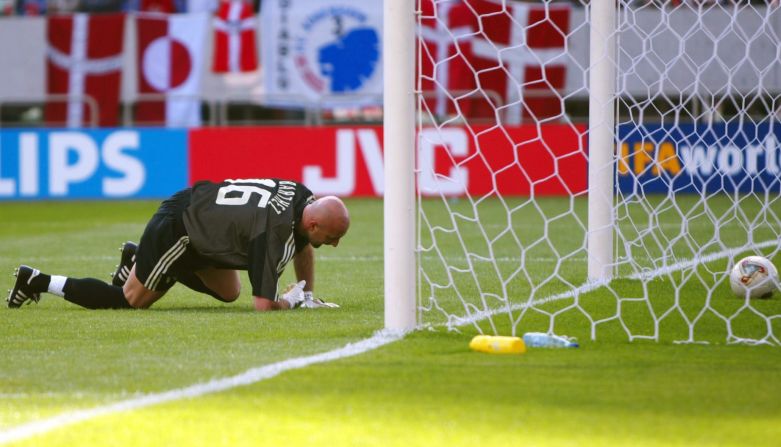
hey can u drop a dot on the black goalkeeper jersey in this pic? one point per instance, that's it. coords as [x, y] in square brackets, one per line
[248, 224]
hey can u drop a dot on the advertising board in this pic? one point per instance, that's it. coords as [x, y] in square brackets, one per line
[80, 164]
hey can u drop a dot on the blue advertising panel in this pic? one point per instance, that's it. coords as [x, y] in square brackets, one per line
[92, 164]
[726, 157]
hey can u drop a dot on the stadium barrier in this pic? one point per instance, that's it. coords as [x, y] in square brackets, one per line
[39, 119]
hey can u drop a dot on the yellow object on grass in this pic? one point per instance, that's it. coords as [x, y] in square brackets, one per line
[497, 344]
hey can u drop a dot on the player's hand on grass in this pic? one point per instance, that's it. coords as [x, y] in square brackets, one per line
[310, 302]
[294, 294]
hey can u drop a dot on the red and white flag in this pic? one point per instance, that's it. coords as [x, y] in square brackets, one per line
[84, 68]
[170, 64]
[235, 49]
[514, 55]
[446, 33]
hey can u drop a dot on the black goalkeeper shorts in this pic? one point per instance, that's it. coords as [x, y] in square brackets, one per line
[164, 250]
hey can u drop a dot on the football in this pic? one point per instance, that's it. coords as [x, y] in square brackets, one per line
[754, 275]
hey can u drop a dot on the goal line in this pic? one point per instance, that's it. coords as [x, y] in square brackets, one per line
[456, 321]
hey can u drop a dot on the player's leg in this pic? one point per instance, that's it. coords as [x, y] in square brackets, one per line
[93, 293]
[162, 243]
[126, 260]
[224, 284]
[86, 292]
[27, 287]
[137, 295]
[159, 254]
[224, 289]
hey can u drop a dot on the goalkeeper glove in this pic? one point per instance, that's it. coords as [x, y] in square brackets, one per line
[310, 302]
[294, 294]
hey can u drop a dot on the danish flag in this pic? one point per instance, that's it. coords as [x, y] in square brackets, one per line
[84, 61]
[170, 62]
[504, 55]
[234, 37]
[446, 32]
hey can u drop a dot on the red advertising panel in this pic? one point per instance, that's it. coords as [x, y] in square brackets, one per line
[347, 161]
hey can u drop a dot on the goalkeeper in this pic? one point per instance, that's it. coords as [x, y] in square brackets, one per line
[201, 237]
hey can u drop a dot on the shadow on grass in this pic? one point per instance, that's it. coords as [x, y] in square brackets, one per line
[203, 309]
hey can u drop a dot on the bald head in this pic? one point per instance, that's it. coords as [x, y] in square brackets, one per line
[325, 221]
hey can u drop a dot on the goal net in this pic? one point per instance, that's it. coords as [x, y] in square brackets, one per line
[505, 170]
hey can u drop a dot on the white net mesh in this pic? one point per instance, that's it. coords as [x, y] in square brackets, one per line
[503, 162]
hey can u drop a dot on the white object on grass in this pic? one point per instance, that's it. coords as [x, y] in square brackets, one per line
[754, 276]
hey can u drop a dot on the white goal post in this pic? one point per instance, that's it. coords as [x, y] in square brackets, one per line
[589, 168]
[601, 137]
[399, 22]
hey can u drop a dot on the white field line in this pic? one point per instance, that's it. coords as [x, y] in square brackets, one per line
[730, 252]
[483, 314]
[248, 377]
[593, 285]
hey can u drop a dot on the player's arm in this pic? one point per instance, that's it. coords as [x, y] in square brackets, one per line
[304, 264]
[264, 278]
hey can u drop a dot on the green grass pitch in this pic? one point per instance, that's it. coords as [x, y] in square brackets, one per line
[427, 389]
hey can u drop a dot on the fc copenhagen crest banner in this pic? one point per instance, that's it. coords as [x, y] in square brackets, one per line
[322, 52]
